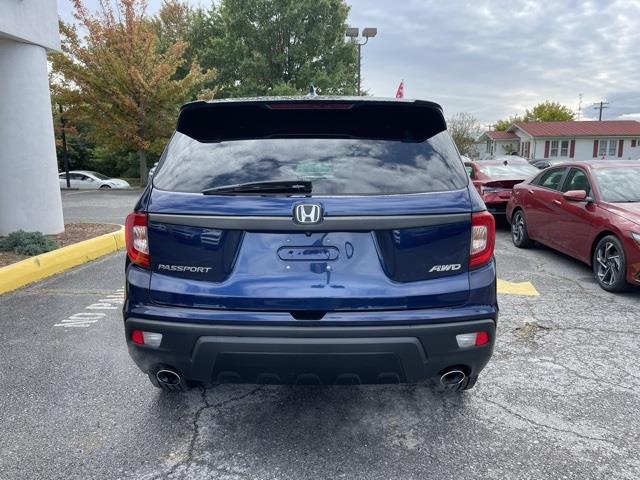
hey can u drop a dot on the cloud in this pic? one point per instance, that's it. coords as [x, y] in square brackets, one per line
[495, 58]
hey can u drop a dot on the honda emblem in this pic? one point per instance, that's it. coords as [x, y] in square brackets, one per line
[307, 213]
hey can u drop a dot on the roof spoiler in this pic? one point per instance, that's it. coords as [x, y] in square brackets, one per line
[311, 117]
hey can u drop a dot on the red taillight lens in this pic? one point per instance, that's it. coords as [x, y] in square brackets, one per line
[137, 337]
[137, 240]
[482, 338]
[483, 238]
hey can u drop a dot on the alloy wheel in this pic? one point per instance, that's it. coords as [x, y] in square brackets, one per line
[517, 228]
[609, 264]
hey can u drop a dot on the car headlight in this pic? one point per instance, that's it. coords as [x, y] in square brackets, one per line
[636, 237]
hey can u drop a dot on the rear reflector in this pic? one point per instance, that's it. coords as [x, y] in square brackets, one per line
[136, 239]
[475, 339]
[151, 339]
[483, 238]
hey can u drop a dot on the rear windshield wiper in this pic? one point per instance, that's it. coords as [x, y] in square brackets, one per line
[276, 186]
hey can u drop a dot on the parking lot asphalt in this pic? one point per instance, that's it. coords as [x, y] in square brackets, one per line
[99, 206]
[559, 400]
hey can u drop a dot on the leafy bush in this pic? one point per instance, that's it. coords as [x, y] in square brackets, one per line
[27, 243]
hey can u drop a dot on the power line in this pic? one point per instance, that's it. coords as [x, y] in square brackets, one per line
[600, 106]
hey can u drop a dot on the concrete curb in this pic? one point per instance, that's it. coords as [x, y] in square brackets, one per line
[42, 266]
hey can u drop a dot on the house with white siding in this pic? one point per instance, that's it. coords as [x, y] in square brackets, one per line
[496, 142]
[610, 139]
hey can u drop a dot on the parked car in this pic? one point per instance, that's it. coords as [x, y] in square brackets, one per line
[317, 243]
[546, 163]
[588, 210]
[494, 179]
[89, 179]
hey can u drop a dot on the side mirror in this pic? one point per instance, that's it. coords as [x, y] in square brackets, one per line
[575, 195]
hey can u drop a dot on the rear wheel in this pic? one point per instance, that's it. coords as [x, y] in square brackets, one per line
[610, 264]
[519, 234]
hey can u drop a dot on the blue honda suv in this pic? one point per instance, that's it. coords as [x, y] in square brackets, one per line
[310, 240]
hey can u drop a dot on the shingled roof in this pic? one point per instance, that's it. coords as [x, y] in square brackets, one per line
[606, 128]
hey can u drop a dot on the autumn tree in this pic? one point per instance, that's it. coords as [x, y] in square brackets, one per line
[278, 47]
[117, 79]
[464, 129]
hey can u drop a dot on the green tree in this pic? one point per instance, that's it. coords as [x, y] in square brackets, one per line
[549, 112]
[278, 47]
[464, 129]
[117, 81]
[542, 112]
[502, 125]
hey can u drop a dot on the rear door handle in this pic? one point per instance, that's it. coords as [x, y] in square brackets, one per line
[557, 202]
[531, 191]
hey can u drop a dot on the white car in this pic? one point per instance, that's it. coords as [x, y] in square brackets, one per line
[88, 179]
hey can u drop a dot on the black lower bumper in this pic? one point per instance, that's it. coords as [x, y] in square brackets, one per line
[315, 355]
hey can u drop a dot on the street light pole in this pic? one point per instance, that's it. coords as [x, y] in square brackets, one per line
[65, 154]
[354, 34]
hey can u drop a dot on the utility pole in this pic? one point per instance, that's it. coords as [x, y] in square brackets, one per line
[353, 33]
[65, 154]
[600, 106]
[579, 106]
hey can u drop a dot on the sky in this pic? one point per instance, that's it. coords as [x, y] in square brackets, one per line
[494, 59]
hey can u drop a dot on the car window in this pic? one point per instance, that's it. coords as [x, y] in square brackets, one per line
[99, 176]
[469, 170]
[334, 165]
[510, 170]
[577, 180]
[551, 178]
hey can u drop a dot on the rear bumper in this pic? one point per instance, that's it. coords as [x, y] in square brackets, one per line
[497, 208]
[310, 354]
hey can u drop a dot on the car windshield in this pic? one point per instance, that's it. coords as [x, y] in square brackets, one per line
[99, 176]
[334, 165]
[619, 184]
[513, 170]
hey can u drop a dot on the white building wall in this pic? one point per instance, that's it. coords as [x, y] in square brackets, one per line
[584, 149]
[29, 189]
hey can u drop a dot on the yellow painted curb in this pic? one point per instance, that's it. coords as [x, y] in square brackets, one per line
[517, 288]
[36, 268]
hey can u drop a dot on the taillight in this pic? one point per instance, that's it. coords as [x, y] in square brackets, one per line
[483, 238]
[137, 239]
[151, 339]
[475, 339]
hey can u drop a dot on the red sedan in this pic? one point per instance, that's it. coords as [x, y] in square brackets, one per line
[588, 210]
[494, 179]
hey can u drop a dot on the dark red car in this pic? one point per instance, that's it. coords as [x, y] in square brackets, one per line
[588, 210]
[494, 179]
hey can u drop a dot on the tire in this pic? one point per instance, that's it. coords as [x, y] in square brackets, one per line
[610, 264]
[519, 234]
[105, 187]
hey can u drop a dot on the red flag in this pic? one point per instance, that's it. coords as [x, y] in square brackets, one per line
[400, 92]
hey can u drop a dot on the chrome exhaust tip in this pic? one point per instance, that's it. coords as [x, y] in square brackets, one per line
[452, 378]
[168, 378]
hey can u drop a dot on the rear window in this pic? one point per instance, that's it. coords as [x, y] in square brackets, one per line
[618, 184]
[510, 171]
[335, 166]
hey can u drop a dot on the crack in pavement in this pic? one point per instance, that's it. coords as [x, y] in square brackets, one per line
[196, 428]
[548, 427]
